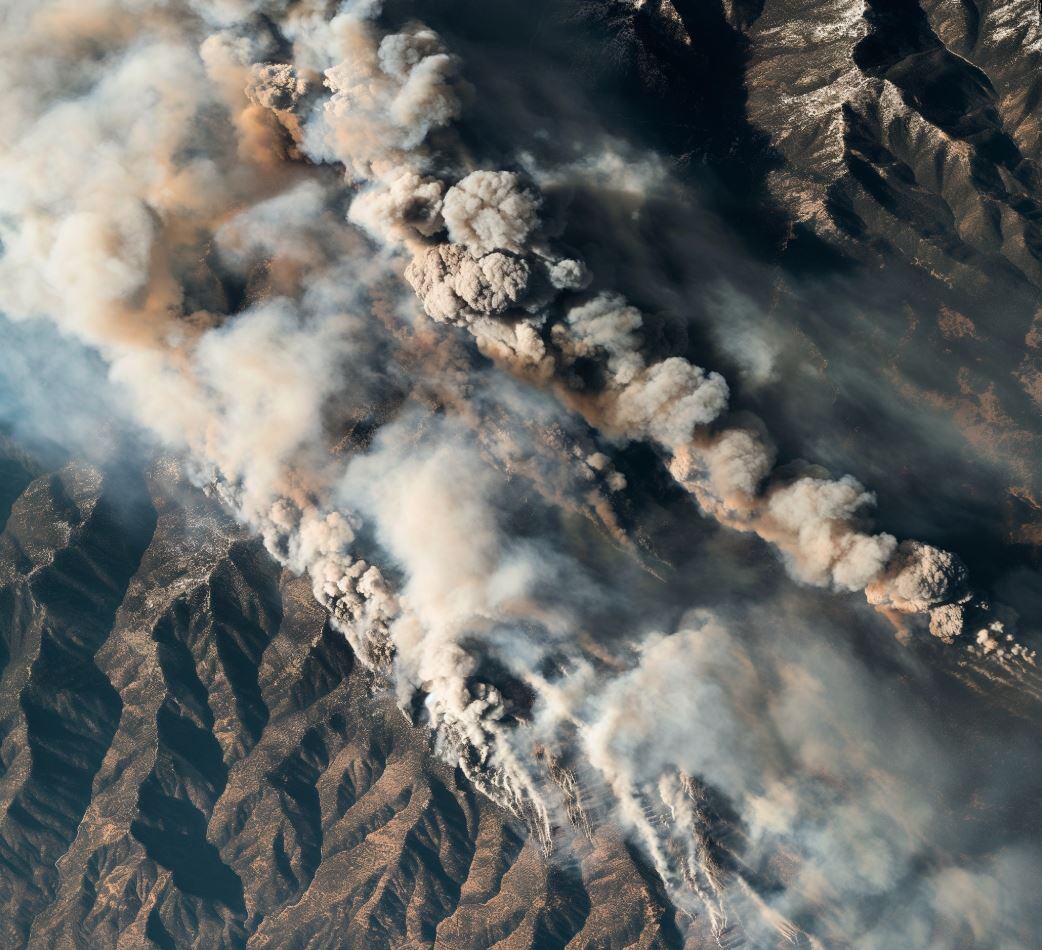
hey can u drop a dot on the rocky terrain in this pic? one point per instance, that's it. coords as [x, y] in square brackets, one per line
[191, 757]
[882, 160]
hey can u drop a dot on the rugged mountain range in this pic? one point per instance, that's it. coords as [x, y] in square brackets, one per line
[885, 161]
[191, 757]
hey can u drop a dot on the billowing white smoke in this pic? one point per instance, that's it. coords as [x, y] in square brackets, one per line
[387, 95]
[836, 804]
[470, 592]
[405, 206]
[490, 211]
[109, 201]
[153, 203]
[498, 277]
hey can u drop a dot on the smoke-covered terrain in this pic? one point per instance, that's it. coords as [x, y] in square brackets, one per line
[553, 475]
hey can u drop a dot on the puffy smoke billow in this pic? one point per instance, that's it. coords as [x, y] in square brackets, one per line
[667, 401]
[388, 94]
[814, 518]
[490, 211]
[195, 192]
[405, 205]
[116, 250]
[275, 86]
[918, 579]
[455, 285]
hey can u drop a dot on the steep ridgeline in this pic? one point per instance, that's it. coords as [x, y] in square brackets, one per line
[191, 757]
[888, 159]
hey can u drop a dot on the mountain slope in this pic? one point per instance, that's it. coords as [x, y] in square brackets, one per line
[192, 757]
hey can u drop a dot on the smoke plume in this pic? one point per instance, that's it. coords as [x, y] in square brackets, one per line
[371, 342]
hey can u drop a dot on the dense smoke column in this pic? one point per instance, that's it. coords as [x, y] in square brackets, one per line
[479, 261]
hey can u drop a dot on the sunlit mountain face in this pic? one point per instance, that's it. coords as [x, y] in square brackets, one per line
[537, 475]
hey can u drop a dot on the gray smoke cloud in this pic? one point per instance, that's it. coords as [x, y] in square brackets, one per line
[266, 222]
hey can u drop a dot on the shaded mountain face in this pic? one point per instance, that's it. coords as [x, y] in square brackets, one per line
[882, 160]
[192, 758]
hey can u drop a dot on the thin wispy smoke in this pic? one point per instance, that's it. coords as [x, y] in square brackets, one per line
[378, 353]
